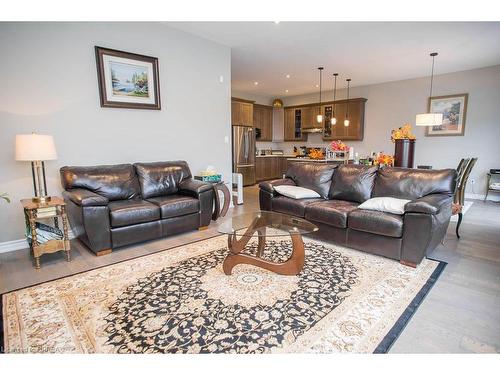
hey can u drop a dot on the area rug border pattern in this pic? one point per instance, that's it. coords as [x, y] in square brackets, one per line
[383, 347]
[390, 338]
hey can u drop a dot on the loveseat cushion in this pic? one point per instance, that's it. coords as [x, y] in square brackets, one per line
[176, 205]
[114, 182]
[332, 212]
[407, 183]
[314, 176]
[294, 207]
[161, 178]
[353, 182]
[376, 222]
[132, 211]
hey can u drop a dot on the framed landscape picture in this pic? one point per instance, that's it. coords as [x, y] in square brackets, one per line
[127, 80]
[454, 110]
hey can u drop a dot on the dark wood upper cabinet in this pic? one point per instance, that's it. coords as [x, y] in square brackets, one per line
[308, 112]
[263, 119]
[294, 118]
[241, 112]
[355, 130]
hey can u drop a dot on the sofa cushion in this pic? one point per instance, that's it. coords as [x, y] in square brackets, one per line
[115, 182]
[353, 182]
[294, 207]
[376, 222]
[132, 211]
[385, 204]
[296, 192]
[314, 176]
[161, 178]
[332, 212]
[407, 183]
[176, 205]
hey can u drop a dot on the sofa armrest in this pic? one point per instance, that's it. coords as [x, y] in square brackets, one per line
[194, 187]
[430, 204]
[85, 198]
[268, 186]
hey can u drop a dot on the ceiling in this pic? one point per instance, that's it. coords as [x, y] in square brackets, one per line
[366, 52]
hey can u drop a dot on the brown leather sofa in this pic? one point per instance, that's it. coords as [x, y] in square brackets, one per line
[115, 205]
[407, 238]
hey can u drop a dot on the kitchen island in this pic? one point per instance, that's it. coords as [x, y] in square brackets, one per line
[270, 167]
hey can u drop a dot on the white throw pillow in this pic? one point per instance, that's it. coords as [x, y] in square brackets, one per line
[296, 192]
[385, 204]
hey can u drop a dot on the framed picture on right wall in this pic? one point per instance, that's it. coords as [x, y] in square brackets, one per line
[454, 110]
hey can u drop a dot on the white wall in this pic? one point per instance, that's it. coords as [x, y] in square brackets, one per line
[392, 104]
[49, 85]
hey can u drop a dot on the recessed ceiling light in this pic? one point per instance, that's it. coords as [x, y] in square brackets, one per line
[276, 22]
[317, 85]
[286, 90]
[287, 76]
[256, 83]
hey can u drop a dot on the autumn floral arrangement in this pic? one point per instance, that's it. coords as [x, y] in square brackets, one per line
[403, 132]
[384, 160]
[316, 153]
[338, 146]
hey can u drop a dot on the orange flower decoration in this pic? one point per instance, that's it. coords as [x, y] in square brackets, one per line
[403, 132]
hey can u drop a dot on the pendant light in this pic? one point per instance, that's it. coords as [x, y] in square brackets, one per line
[333, 120]
[430, 119]
[346, 121]
[319, 117]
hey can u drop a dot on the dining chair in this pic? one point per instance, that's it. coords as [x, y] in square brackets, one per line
[463, 172]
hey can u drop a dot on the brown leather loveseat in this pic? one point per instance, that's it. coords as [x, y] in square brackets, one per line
[407, 238]
[116, 205]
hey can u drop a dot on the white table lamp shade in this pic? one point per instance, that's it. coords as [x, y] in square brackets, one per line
[429, 119]
[35, 147]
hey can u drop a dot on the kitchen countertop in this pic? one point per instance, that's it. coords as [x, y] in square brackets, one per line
[317, 160]
[275, 156]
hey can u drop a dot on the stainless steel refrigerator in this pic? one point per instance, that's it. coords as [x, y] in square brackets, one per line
[244, 153]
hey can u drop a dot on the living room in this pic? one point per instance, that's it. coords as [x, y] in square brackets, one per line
[291, 185]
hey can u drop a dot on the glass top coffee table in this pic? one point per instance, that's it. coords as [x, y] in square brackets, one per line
[262, 224]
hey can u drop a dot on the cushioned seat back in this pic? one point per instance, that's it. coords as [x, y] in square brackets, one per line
[314, 176]
[406, 183]
[161, 178]
[353, 182]
[115, 182]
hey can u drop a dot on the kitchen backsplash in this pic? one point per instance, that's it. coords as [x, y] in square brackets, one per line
[315, 140]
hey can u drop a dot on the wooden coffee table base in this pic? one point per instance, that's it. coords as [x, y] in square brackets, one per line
[291, 267]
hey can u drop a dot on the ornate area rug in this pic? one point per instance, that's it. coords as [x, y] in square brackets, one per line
[180, 301]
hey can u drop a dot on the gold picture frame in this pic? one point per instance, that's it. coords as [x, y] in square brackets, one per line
[454, 110]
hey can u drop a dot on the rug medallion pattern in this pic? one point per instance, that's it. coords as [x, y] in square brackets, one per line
[180, 301]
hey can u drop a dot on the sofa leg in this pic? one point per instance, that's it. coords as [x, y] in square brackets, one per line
[409, 264]
[103, 252]
[203, 228]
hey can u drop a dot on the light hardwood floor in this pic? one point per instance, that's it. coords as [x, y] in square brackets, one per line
[461, 314]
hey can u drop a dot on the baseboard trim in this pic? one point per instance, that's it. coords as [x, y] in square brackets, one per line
[495, 197]
[8, 246]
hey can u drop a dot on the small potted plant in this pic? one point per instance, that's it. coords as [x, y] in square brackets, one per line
[404, 146]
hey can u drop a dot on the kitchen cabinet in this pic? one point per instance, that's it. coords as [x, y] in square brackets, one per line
[355, 130]
[293, 125]
[270, 167]
[309, 114]
[263, 119]
[305, 115]
[241, 113]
